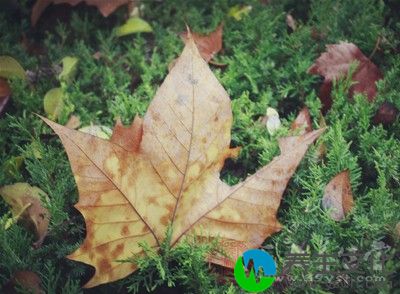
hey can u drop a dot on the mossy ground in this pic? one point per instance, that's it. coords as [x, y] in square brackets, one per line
[266, 65]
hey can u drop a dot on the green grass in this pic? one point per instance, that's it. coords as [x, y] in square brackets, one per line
[266, 67]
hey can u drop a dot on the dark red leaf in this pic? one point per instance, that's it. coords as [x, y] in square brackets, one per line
[335, 63]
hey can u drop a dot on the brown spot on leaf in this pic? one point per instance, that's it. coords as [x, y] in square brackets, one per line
[125, 230]
[118, 250]
[153, 200]
[103, 249]
[164, 220]
[104, 265]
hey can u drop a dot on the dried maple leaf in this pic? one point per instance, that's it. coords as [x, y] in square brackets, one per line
[335, 63]
[166, 171]
[106, 7]
[338, 198]
[208, 45]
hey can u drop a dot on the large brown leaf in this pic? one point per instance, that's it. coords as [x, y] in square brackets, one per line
[335, 63]
[106, 7]
[169, 173]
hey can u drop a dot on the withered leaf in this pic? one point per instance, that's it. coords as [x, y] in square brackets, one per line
[338, 199]
[166, 171]
[302, 121]
[208, 45]
[335, 63]
[104, 6]
[25, 202]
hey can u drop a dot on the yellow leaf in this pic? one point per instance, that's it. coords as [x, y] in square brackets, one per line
[25, 203]
[238, 11]
[70, 65]
[165, 171]
[134, 25]
[10, 68]
[54, 103]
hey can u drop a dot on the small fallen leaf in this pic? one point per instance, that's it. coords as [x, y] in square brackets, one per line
[104, 6]
[102, 132]
[338, 199]
[291, 22]
[54, 103]
[335, 63]
[28, 280]
[164, 173]
[10, 68]
[273, 122]
[208, 45]
[5, 92]
[18, 196]
[69, 67]
[302, 121]
[73, 122]
[238, 11]
[386, 114]
[97, 55]
[132, 26]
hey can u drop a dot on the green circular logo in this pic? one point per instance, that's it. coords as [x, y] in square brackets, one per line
[255, 280]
